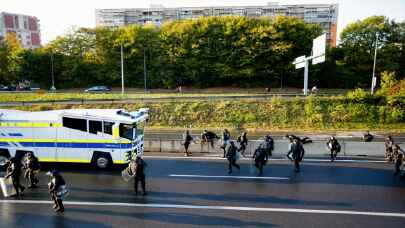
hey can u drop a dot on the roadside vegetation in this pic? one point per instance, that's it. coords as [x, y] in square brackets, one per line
[358, 110]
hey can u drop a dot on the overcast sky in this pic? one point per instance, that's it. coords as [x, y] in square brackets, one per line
[59, 16]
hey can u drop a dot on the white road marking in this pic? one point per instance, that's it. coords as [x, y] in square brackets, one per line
[202, 207]
[230, 177]
[216, 157]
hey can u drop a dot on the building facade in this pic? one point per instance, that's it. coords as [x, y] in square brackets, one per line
[26, 29]
[323, 14]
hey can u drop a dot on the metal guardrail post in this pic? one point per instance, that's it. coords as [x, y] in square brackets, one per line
[160, 145]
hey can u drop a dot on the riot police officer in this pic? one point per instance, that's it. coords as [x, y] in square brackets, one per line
[209, 136]
[187, 141]
[334, 147]
[57, 190]
[138, 167]
[14, 171]
[389, 143]
[398, 155]
[260, 157]
[232, 156]
[297, 151]
[226, 136]
[243, 141]
[269, 145]
[31, 164]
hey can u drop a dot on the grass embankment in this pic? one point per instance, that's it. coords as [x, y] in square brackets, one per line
[131, 94]
[311, 114]
[26, 97]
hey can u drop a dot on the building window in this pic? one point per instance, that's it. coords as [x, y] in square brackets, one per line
[74, 123]
[16, 22]
[95, 126]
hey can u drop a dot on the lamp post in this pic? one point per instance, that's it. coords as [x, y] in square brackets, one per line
[374, 79]
[122, 71]
[144, 68]
[52, 75]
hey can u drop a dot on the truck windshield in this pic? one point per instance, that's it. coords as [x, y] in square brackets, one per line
[127, 131]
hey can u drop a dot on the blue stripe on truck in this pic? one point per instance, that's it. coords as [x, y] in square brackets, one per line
[74, 145]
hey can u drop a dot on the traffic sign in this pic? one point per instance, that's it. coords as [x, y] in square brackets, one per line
[299, 62]
[319, 49]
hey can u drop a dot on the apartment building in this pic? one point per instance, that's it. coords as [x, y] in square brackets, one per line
[323, 14]
[25, 27]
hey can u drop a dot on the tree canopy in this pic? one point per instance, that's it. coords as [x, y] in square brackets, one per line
[210, 51]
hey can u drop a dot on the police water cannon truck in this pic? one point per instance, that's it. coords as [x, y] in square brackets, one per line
[101, 137]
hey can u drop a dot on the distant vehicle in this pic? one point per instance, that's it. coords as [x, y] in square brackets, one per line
[101, 137]
[98, 89]
[34, 87]
[7, 88]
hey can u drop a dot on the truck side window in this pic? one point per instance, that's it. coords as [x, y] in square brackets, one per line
[95, 126]
[74, 123]
[108, 126]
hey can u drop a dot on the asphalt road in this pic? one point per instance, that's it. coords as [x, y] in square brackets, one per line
[188, 192]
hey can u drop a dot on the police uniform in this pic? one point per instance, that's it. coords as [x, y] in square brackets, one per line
[54, 185]
[138, 167]
[260, 156]
[231, 156]
[14, 171]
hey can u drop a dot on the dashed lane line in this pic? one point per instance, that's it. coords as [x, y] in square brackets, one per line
[223, 208]
[272, 159]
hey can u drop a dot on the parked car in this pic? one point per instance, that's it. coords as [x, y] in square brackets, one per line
[34, 87]
[98, 89]
[7, 88]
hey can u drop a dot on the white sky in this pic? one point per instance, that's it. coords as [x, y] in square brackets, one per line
[58, 16]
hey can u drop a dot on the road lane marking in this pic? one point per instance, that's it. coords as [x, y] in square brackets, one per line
[202, 207]
[211, 157]
[230, 177]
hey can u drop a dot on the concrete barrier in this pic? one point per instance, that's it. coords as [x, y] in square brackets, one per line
[316, 148]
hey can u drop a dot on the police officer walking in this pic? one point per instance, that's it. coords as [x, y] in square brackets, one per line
[187, 141]
[260, 156]
[14, 171]
[138, 171]
[57, 189]
[398, 155]
[389, 144]
[232, 156]
[31, 164]
[334, 147]
[269, 145]
[243, 141]
[297, 151]
[226, 136]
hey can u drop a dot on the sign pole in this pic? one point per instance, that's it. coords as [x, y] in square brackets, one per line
[306, 78]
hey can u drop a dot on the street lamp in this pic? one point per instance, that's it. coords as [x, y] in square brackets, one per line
[52, 75]
[122, 71]
[374, 79]
[144, 67]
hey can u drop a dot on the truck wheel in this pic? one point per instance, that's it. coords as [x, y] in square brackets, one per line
[102, 160]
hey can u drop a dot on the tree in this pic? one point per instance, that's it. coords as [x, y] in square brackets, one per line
[358, 41]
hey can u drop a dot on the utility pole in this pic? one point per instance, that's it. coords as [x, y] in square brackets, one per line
[52, 75]
[144, 67]
[374, 79]
[122, 71]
